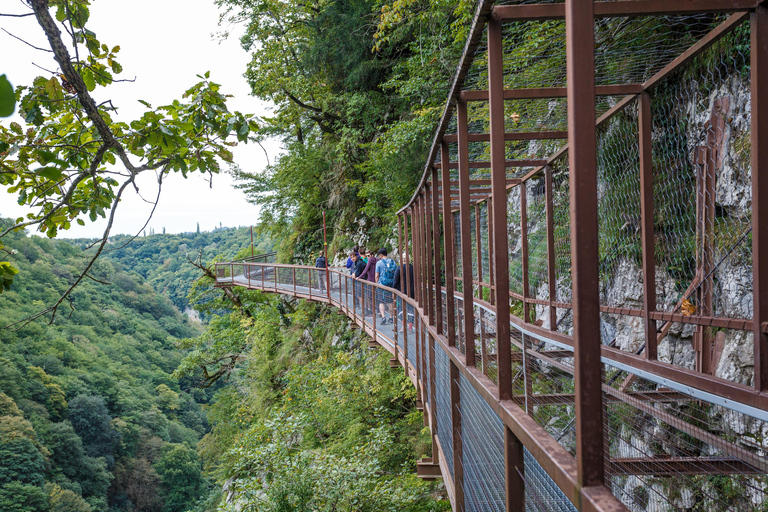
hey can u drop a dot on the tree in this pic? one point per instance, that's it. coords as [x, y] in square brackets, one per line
[74, 162]
[7, 107]
[19, 497]
[21, 461]
[92, 422]
[64, 500]
[180, 479]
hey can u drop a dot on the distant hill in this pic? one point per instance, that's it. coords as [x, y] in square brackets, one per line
[90, 417]
[162, 259]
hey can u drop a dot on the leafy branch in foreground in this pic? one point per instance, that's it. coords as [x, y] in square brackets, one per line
[74, 161]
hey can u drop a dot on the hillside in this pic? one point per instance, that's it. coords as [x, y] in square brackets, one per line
[90, 416]
[163, 260]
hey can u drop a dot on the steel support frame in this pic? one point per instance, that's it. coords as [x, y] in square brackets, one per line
[646, 215]
[458, 452]
[759, 155]
[621, 8]
[429, 246]
[466, 237]
[437, 265]
[524, 256]
[449, 246]
[406, 279]
[582, 158]
[551, 271]
[498, 185]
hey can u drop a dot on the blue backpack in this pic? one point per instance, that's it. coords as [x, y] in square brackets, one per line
[387, 277]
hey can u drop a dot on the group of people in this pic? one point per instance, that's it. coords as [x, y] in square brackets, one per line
[364, 265]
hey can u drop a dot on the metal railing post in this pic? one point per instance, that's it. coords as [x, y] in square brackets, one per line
[759, 155]
[499, 196]
[524, 256]
[479, 250]
[458, 452]
[435, 207]
[466, 236]
[551, 275]
[428, 235]
[646, 214]
[582, 161]
[448, 245]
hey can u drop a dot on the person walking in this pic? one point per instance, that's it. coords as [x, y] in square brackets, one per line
[320, 263]
[385, 275]
[357, 270]
[400, 285]
[369, 274]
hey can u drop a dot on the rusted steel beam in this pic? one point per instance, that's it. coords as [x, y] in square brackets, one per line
[622, 8]
[479, 248]
[646, 215]
[458, 452]
[674, 466]
[759, 155]
[474, 182]
[480, 164]
[551, 278]
[485, 137]
[524, 256]
[582, 159]
[399, 262]
[448, 249]
[406, 278]
[428, 255]
[514, 470]
[431, 373]
[437, 259]
[568, 398]
[492, 286]
[709, 321]
[498, 178]
[466, 236]
[551, 92]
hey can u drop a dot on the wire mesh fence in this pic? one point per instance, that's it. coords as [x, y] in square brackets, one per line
[442, 409]
[482, 444]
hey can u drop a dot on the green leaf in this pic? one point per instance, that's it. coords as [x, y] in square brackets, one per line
[7, 97]
[52, 173]
[80, 15]
[89, 79]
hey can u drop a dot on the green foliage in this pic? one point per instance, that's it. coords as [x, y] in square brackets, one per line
[7, 97]
[180, 480]
[355, 107]
[64, 500]
[306, 423]
[72, 161]
[19, 497]
[88, 403]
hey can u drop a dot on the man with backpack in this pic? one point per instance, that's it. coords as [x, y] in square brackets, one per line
[321, 264]
[385, 275]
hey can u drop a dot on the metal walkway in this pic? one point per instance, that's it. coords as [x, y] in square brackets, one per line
[590, 250]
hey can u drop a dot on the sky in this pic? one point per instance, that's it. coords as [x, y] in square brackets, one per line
[164, 44]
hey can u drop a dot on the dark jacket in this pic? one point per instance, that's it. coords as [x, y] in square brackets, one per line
[370, 270]
[399, 283]
[320, 262]
[358, 267]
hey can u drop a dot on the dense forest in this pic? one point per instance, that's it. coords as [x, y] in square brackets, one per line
[126, 404]
[91, 416]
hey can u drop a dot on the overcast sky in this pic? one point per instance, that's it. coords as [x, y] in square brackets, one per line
[163, 44]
